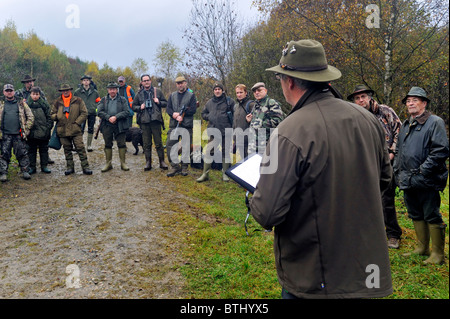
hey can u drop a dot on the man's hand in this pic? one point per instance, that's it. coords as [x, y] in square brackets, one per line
[112, 120]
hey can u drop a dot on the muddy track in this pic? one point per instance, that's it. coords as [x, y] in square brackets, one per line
[107, 225]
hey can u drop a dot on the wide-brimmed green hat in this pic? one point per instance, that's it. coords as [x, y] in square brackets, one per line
[65, 87]
[88, 77]
[418, 92]
[306, 60]
[360, 88]
[112, 85]
[28, 78]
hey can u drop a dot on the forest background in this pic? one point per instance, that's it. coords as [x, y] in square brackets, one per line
[389, 46]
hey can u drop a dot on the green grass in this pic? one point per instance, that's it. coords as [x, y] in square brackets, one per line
[225, 263]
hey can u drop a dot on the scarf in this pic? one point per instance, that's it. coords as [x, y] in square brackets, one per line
[66, 101]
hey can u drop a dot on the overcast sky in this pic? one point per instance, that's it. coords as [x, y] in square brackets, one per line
[115, 32]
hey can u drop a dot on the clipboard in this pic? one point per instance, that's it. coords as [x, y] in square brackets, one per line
[247, 172]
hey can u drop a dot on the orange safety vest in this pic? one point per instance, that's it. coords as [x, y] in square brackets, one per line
[130, 97]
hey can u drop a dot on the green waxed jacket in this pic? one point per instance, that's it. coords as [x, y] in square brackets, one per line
[90, 97]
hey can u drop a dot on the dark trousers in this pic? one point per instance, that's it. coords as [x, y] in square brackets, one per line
[20, 151]
[68, 144]
[213, 146]
[185, 158]
[33, 147]
[91, 123]
[393, 229]
[424, 204]
[288, 296]
[111, 133]
[152, 132]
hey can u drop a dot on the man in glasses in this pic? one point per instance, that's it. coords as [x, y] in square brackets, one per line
[324, 200]
[148, 105]
[16, 121]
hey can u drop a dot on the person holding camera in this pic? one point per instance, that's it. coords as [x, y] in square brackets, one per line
[148, 105]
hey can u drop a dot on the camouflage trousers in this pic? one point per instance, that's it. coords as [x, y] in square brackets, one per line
[20, 151]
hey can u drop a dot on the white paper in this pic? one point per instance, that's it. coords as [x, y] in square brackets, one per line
[249, 171]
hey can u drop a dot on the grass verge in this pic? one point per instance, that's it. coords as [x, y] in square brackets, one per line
[222, 262]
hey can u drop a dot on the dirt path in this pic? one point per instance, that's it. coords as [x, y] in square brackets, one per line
[105, 224]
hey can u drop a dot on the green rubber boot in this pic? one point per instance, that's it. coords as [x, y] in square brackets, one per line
[108, 156]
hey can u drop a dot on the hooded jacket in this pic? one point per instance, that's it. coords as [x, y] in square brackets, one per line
[324, 200]
[215, 112]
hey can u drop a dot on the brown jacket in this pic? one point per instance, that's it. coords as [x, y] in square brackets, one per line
[69, 127]
[325, 201]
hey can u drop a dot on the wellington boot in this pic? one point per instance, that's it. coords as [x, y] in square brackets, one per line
[174, 170]
[225, 166]
[205, 175]
[148, 162]
[123, 165]
[108, 156]
[423, 239]
[162, 163]
[89, 142]
[437, 233]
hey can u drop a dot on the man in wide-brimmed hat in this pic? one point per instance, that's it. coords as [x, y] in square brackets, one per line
[70, 113]
[421, 173]
[324, 199]
[113, 111]
[363, 96]
[25, 92]
[90, 97]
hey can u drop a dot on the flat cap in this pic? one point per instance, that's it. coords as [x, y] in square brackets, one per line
[258, 85]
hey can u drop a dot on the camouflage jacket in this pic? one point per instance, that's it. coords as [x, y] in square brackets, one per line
[24, 94]
[26, 117]
[266, 114]
[389, 121]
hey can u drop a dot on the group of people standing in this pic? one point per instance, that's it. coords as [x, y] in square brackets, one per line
[339, 166]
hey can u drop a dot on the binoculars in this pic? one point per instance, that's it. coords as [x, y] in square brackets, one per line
[148, 104]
